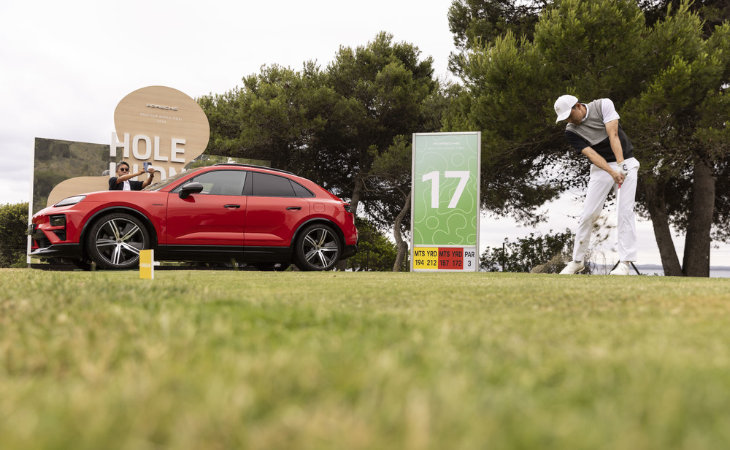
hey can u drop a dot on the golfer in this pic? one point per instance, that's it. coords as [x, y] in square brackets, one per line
[593, 130]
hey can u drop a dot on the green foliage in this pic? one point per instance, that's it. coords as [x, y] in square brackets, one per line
[592, 48]
[678, 119]
[271, 117]
[504, 98]
[330, 125]
[477, 22]
[712, 12]
[524, 254]
[13, 234]
[375, 252]
[668, 81]
[346, 127]
[382, 90]
[391, 174]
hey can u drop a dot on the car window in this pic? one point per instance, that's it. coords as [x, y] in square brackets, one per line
[267, 185]
[160, 184]
[300, 190]
[220, 182]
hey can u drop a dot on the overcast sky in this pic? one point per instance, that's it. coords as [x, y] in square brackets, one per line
[66, 65]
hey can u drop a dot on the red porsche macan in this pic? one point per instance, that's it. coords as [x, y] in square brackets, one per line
[261, 216]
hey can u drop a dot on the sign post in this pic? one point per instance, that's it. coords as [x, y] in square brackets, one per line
[445, 202]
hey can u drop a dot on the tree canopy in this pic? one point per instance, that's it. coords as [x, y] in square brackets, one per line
[329, 125]
[332, 125]
[669, 81]
[664, 63]
[13, 234]
[527, 253]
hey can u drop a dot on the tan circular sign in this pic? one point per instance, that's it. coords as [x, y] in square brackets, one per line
[155, 124]
[160, 125]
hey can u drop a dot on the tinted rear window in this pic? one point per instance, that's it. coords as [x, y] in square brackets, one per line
[267, 185]
[300, 190]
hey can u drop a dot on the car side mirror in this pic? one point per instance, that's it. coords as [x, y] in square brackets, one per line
[190, 188]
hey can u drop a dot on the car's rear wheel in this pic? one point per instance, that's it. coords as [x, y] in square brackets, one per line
[115, 240]
[317, 248]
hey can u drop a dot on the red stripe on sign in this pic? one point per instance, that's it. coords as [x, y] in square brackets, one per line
[451, 258]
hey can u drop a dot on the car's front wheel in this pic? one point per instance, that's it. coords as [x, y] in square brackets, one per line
[115, 240]
[317, 248]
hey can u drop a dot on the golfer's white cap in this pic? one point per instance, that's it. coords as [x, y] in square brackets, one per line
[563, 105]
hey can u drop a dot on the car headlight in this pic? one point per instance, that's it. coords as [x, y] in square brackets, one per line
[70, 200]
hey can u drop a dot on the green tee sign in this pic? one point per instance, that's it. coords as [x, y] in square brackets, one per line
[445, 212]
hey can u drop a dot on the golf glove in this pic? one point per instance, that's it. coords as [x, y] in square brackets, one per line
[624, 169]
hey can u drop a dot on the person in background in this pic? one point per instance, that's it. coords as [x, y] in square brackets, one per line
[594, 131]
[123, 182]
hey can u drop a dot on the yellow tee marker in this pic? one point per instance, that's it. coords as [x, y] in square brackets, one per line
[147, 264]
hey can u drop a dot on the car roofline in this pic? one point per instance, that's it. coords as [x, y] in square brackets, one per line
[255, 167]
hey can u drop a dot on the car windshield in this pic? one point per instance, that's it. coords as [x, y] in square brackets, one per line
[159, 185]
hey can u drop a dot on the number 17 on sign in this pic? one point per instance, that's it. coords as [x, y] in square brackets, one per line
[463, 177]
[445, 201]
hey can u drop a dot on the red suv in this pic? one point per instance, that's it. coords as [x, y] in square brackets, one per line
[261, 216]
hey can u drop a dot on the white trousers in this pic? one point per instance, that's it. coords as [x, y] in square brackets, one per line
[599, 185]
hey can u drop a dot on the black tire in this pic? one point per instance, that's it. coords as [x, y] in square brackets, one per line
[317, 248]
[114, 241]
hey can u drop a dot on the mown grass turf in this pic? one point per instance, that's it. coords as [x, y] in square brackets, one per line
[217, 360]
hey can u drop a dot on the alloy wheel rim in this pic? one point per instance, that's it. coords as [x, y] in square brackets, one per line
[320, 248]
[119, 241]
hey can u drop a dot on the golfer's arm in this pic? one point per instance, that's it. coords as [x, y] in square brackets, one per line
[612, 130]
[597, 159]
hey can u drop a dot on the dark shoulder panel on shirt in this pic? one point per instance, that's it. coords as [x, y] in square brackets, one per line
[575, 141]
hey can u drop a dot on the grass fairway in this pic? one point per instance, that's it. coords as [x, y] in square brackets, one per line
[218, 360]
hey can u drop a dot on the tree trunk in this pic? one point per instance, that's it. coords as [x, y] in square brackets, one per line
[356, 191]
[697, 243]
[660, 221]
[400, 244]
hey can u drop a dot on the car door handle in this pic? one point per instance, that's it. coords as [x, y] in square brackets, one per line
[231, 206]
[290, 208]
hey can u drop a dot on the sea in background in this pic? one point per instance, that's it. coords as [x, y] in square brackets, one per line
[654, 269]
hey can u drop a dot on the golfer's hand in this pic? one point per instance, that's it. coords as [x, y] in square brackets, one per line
[618, 177]
[623, 168]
